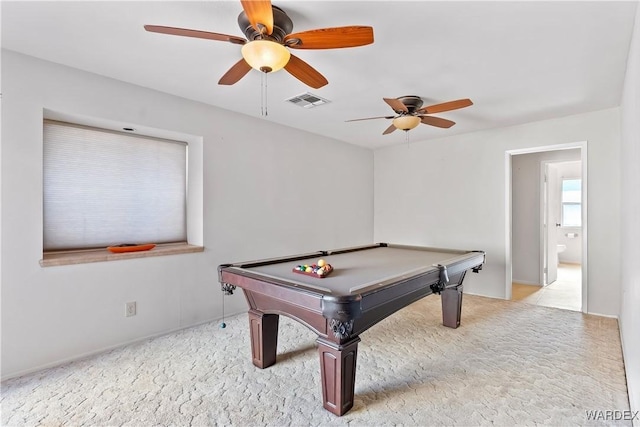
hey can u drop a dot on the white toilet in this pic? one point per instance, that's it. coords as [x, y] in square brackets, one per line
[561, 248]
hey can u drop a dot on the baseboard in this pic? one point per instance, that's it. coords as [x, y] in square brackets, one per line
[630, 391]
[105, 349]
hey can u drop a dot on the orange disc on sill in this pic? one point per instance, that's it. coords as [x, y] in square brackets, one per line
[130, 248]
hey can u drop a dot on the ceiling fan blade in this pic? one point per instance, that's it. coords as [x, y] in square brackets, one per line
[396, 104]
[235, 73]
[259, 12]
[437, 122]
[330, 38]
[370, 118]
[389, 129]
[305, 73]
[446, 106]
[194, 33]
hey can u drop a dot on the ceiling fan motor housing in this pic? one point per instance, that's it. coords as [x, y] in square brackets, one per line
[412, 103]
[282, 26]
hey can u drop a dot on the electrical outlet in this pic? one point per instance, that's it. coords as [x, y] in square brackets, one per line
[130, 309]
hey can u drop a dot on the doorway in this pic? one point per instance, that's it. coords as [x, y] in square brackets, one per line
[546, 226]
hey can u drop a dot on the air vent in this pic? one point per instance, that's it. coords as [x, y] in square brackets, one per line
[307, 100]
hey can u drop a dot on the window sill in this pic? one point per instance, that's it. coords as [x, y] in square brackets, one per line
[51, 259]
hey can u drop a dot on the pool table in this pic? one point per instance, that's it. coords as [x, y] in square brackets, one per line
[367, 284]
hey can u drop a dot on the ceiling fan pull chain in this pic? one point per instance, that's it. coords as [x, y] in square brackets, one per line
[263, 95]
[266, 98]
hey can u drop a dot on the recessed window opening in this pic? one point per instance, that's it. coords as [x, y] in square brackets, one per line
[104, 188]
[572, 202]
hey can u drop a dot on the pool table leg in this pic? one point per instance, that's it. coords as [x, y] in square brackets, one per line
[264, 338]
[338, 372]
[451, 306]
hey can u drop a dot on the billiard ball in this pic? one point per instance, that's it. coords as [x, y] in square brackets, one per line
[321, 263]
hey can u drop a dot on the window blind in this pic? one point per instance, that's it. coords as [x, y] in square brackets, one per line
[105, 188]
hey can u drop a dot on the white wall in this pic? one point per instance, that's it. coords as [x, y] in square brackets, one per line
[258, 188]
[525, 211]
[630, 220]
[450, 192]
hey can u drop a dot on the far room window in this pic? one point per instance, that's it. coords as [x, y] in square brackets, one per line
[571, 202]
[104, 188]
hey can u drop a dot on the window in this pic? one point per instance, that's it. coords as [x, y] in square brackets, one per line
[106, 188]
[571, 202]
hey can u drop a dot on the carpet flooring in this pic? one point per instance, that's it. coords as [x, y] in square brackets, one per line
[509, 363]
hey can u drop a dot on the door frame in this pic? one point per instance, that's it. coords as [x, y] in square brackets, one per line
[582, 145]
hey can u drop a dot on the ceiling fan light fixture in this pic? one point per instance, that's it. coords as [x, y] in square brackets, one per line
[406, 122]
[265, 55]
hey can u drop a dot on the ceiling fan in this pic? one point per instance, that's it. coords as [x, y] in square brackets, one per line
[268, 35]
[410, 113]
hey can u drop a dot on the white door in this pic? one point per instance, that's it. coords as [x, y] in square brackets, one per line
[552, 223]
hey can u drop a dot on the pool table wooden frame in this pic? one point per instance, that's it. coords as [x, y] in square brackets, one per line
[340, 307]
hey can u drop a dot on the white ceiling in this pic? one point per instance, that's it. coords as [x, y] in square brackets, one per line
[518, 61]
